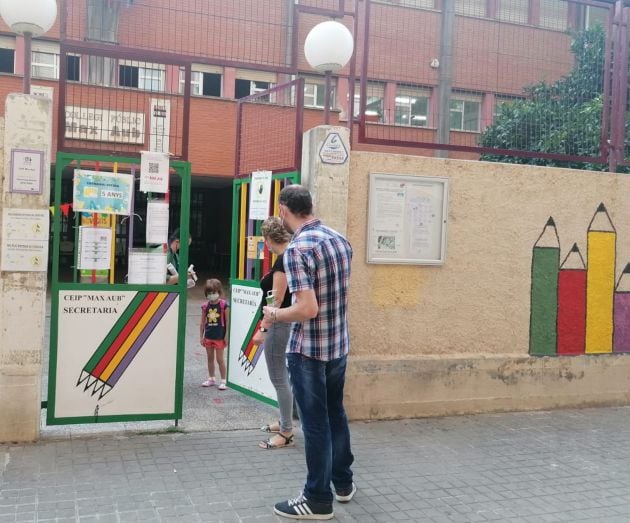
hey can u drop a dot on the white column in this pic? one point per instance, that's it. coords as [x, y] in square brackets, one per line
[27, 125]
[326, 173]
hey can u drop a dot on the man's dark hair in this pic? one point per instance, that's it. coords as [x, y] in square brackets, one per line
[297, 199]
[174, 236]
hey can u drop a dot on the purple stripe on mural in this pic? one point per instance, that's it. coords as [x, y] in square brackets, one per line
[144, 335]
[621, 342]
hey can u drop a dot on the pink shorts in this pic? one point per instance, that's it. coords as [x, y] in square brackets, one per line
[213, 344]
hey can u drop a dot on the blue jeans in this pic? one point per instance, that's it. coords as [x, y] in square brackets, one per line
[318, 390]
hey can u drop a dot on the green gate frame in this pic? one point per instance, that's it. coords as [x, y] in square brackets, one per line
[238, 246]
[183, 170]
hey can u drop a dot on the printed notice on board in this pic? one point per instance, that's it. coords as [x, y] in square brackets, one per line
[102, 192]
[407, 219]
[160, 125]
[157, 222]
[154, 172]
[147, 267]
[95, 248]
[24, 240]
[259, 195]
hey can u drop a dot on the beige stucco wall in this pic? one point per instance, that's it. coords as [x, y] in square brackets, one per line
[430, 339]
[27, 125]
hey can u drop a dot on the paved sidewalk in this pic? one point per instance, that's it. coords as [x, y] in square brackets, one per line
[524, 467]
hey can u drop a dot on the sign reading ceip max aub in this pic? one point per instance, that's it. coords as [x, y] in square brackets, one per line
[106, 193]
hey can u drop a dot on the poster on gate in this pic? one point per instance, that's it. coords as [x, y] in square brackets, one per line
[259, 195]
[102, 192]
[116, 354]
[247, 368]
[154, 172]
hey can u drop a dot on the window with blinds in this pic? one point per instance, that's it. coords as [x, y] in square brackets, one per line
[516, 11]
[423, 4]
[554, 14]
[373, 102]
[595, 16]
[471, 7]
[412, 106]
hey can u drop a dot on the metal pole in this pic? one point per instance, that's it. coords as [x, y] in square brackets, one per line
[327, 99]
[186, 122]
[446, 75]
[27, 63]
[619, 86]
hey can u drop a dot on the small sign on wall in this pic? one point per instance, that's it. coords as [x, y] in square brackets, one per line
[333, 151]
[27, 171]
[24, 240]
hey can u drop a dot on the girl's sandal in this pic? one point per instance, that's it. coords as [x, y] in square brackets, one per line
[269, 429]
[269, 445]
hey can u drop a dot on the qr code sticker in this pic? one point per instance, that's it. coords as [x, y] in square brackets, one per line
[154, 168]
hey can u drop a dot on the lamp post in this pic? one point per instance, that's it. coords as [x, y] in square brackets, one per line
[29, 18]
[328, 48]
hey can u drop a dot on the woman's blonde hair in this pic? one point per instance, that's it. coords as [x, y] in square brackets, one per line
[273, 229]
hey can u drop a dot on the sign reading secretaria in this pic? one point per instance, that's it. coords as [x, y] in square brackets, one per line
[102, 192]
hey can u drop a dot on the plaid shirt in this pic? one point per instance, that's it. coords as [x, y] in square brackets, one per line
[319, 258]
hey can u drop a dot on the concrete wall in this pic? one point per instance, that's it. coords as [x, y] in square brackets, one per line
[27, 125]
[454, 339]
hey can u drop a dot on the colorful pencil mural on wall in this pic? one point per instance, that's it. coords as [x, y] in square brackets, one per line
[123, 341]
[576, 308]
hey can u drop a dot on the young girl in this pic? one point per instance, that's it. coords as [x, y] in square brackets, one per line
[214, 331]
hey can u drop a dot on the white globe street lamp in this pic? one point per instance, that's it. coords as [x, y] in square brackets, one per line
[29, 18]
[328, 48]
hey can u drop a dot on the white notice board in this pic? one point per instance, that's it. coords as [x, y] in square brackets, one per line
[407, 218]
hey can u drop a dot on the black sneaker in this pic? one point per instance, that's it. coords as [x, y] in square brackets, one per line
[302, 508]
[343, 495]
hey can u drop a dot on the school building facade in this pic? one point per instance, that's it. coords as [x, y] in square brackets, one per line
[242, 48]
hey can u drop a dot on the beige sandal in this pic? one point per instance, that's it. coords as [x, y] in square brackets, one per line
[269, 445]
[270, 429]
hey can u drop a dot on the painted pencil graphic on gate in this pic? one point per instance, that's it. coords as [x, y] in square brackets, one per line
[123, 341]
[250, 354]
[576, 308]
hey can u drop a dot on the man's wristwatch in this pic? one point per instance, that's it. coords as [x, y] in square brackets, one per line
[262, 329]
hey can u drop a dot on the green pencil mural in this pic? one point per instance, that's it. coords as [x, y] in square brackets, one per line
[544, 297]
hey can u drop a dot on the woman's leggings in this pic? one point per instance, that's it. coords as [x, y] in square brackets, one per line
[275, 354]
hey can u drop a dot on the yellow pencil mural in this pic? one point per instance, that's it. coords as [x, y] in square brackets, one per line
[600, 283]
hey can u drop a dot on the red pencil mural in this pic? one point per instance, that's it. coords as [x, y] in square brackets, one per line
[572, 303]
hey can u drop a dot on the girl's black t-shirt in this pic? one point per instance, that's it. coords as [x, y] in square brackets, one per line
[266, 283]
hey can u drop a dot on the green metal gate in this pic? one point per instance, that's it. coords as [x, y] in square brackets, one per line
[116, 349]
[247, 371]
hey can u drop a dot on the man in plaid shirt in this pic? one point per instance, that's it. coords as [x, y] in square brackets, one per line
[317, 265]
